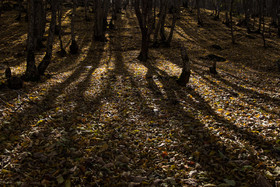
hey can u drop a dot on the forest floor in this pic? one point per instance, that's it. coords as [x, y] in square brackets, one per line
[103, 118]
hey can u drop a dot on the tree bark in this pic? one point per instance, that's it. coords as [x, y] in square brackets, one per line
[186, 71]
[31, 73]
[231, 22]
[100, 18]
[176, 13]
[47, 58]
[162, 16]
[145, 26]
[59, 8]
[74, 46]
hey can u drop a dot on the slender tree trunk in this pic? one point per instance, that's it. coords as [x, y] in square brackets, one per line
[263, 21]
[176, 13]
[74, 46]
[86, 10]
[31, 73]
[278, 16]
[162, 15]
[145, 26]
[199, 21]
[47, 58]
[231, 22]
[62, 50]
[19, 10]
[260, 15]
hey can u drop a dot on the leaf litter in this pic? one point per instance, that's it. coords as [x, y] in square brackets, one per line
[104, 118]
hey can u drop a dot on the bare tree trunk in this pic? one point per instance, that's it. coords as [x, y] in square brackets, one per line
[186, 71]
[278, 15]
[62, 51]
[74, 46]
[199, 21]
[144, 23]
[31, 73]
[247, 16]
[263, 21]
[40, 22]
[86, 11]
[176, 13]
[162, 15]
[100, 20]
[47, 58]
[231, 22]
[18, 18]
[260, 15]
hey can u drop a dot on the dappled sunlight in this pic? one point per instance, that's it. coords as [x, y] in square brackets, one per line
[103, 117]
[170, 68]
[138, 70]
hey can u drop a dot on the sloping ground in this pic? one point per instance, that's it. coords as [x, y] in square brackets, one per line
[105, 119]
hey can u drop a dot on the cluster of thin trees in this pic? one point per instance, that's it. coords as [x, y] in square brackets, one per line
[152, 17]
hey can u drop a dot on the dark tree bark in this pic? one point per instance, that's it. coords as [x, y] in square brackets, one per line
[263, 21]
[186, 71]
[176, 15]
[199, 20]
[231, 22]
[86, 11]
[47, 58]
[246, 4]
[162, 16]
[145, 21]
[40, 23]
[100, 20]
[62, 51]
[74, 46]
[278, 15]
[18, 18]
[31, 73]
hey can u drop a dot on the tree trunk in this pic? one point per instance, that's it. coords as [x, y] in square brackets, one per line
[40, 22]
[100, 19]
[31, 73]
[199, 21]
[145, 25]
[278, 15]
[186, 71]
[19, 10]
[176, 13]
[231, 22]
[86, 11]
[74, 46]
[62, 50]
[162, 15]
[263, 21]
[47, 58]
